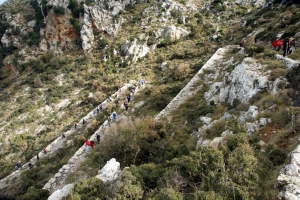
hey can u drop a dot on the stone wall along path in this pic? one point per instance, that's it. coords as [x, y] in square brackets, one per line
[59, 179]
[59, 142]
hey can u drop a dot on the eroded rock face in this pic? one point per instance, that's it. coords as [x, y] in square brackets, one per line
[289, 178]
[172, 32]
[59, 194]
[134, 48]
[110, 171]
[247, 79]
[59, 33]
[102, 20]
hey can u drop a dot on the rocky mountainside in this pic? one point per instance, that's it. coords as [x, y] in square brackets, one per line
[213, 121]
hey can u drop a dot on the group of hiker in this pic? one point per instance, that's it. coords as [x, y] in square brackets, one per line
[111, 118]
[288, 46]
[19, 165]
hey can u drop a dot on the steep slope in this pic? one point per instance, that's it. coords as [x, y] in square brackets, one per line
[62, 58]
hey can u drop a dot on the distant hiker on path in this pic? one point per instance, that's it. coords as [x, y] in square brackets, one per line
[37, 156]
[128, 98]
[126, 105]
[30, 165]
[100, 106]
[141, 82]
[288, 46]
[98, 138]
[108, 120]
[19, 165]
[63, 136]
[45, 151]
[242, 44]
[277, 44]
[114, 115]
[75, 125]
[83, 121]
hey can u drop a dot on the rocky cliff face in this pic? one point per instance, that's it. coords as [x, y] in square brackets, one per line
[59, 34]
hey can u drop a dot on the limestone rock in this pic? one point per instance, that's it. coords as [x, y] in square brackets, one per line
[134, 48]
[59, 194]
[289, 177]
[205, 120]
[172, 32]
[58, 33]
[110, 171]
[245, 81]
[216, 141]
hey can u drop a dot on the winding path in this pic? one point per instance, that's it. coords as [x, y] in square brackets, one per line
[59, 142]
[59, 179]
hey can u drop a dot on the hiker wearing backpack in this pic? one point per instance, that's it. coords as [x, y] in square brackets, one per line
[19, 165]
[108, 120]
[126, 105]
[75, 125]
[98, 138]
[114, 115]
[277, 44]
[288, 46]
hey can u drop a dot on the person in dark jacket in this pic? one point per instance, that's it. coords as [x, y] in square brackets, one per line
[19, 165]
[288, 46]
[98, 138]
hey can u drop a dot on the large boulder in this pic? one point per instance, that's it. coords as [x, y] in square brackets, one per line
[134, 48]
[172, 32]
[247, 79]
[289, 177]
[59, 194]
[110, 171]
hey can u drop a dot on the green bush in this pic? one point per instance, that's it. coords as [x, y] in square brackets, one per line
[164, 43]
[216, 130]
[59, 10]
[34, 194]
[102, 43]
[276, 156]
[168, 194]
[91, 189]
[75, 8]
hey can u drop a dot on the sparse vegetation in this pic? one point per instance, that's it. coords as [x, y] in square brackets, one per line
[161, 154]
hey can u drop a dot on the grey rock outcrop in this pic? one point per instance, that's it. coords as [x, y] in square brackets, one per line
[172, 32]
[134, 48]
[289, 178]
[247, 79]
[96, 17]
[110, 171]
[59, 194]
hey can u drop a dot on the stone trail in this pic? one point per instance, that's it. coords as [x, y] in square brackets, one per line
[59, 179]
[59, 142]
[190, 88]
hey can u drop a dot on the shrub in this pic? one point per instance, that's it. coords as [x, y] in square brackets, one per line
[216, 130]
[168, 194]
[164, 43]
[75, 8]
[87, 189]
[276, 73]
[276, 156]
[234, 104]
[59, 10]
[102, 43]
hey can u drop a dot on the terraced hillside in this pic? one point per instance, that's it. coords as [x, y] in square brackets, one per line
[223, 134]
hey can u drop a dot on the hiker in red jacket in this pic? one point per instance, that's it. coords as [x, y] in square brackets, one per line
[277, 44]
